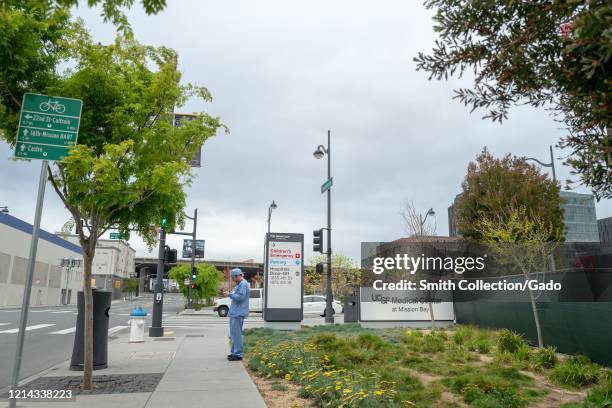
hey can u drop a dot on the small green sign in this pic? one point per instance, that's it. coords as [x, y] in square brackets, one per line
[48, 126]
[119, 235]
[326, 186]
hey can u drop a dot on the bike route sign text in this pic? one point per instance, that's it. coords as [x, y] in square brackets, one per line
[48, 126]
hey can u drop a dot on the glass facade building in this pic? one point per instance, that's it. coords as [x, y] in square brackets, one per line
[579, 217]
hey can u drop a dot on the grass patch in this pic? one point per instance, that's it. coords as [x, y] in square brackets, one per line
[346, 365]
[545, 357]
[576, 372]
[510, 342]
[279, 387]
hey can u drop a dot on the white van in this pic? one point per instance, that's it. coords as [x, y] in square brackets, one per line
[221, 305]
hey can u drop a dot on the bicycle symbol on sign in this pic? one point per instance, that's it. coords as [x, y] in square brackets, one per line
[55, 106]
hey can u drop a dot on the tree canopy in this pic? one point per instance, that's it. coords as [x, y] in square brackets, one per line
[207, 282]
[495, 185]
[556, 54]
[33, 40]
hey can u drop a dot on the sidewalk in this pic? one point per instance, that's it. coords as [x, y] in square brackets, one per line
[194, 369]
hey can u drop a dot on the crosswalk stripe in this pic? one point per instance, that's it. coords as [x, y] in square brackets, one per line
[28, 328]
[4, 324]
[65, 331]
[42, 311]
[116, 328]
[62, 311]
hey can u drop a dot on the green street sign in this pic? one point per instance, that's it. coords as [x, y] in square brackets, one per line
[119, 235]
[326, 186]
[48, 126]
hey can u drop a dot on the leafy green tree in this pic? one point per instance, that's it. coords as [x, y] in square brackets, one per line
[556, 54]
[207, 282]
[345, 273]
[129, 286]
[312, 280]
[33, 40]
[112, 10]
[131, 164]
[509, 182]
[524, 239]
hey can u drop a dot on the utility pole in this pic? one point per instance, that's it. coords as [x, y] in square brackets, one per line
[156, 329]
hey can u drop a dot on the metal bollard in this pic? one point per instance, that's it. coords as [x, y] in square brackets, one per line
[137, 325]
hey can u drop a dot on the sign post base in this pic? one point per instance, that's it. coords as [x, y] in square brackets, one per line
[283, 325]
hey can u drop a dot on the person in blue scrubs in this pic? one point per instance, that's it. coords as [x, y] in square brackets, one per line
[239, 310]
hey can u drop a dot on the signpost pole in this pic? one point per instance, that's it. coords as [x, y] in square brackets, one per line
[156, 329]
[193, 254]
[329, 311]
[27, 289]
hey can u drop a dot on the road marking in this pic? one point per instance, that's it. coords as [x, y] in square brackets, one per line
[116, 329]
[65, 331]
[63, 311]
[4, 324]
[28, 328]
[42, 311]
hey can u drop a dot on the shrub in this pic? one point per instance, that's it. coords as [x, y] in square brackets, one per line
[433, 342]
[509, 341]
[463, 335]
[488, 389]
[576, 372]
[523, 353]
[601, 396]
[483, 346]
[371, 341]
[545, 357]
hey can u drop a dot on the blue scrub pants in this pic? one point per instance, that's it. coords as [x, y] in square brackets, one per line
[236, 335]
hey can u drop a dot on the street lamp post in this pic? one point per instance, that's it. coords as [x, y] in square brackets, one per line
[272, 207]
[318, 154]
[551, 164]
[429, 212]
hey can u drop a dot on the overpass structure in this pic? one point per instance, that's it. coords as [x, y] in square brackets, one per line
[146, 268]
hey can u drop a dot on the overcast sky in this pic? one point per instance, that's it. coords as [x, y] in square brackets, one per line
[281, 74]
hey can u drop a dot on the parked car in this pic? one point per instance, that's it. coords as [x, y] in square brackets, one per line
[221, 305]
[315, 304]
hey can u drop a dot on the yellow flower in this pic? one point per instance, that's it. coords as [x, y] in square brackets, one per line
[346, 390]
[379, 392]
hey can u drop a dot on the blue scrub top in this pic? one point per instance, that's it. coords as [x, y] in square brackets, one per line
[240, 300]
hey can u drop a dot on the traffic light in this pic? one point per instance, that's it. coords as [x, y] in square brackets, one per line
[194, 286]
[170, 256]
[317, 240]
[319, 268]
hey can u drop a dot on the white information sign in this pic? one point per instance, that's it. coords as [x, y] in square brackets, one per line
[284, 275]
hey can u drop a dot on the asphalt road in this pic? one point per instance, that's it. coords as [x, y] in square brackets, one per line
[50, 333]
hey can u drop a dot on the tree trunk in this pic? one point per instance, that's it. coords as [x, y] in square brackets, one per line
[536, 319]
[88, 297]
[431, 315]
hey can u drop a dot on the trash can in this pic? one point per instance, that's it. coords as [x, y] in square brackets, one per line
[101, 306]
[351, 309]
[137, 325]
